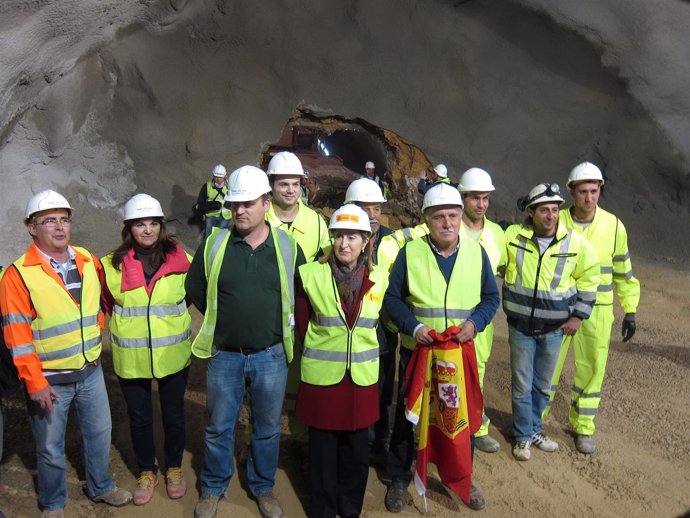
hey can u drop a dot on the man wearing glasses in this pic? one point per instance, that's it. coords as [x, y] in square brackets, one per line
[52, 323]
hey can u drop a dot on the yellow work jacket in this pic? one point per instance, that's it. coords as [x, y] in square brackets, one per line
[391, 244]
[541, 291]
[150, 334]
[331, 347]
[492, 240]
[212, 194]
[434, 302]
[286, 254]
[66, 333]
[309, 229]
[607, 235]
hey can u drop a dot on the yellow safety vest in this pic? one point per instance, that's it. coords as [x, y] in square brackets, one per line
[213, 195]
[607, 235]
[65, 335]
[286, 254]
[331, 347]
[541, 291]
[492, 240]
[150, 336]
[434, 302]
[391, 244]
[309, 229]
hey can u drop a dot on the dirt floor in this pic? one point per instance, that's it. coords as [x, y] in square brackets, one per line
[642, 467]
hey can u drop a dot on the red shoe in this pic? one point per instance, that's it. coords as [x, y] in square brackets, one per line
[175, 483]
[146, 481]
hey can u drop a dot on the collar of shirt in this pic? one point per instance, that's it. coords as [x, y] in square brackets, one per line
[60, 268]
[436, 251]
[236, 239]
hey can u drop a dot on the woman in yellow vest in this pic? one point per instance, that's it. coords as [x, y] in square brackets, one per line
[150, 334]
[337, 309]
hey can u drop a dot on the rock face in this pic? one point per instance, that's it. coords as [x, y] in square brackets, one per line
[100, 100]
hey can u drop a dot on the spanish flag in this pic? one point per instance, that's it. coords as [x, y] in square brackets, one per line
[445, 402]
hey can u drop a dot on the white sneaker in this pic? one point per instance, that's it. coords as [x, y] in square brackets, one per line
[521, 450]
[542, 442]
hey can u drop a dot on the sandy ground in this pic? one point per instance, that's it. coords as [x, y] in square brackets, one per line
[641, 468]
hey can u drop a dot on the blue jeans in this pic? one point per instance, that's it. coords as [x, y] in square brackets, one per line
[92, 413]
[228, 376]
[532, 363]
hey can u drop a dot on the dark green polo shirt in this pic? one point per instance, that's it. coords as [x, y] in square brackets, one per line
[249, 305]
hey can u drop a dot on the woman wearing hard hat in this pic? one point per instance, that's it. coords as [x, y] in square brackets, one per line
[337, 309]
[150, 333]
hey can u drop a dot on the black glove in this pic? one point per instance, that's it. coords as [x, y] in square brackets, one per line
[213, 205]
[628, 330]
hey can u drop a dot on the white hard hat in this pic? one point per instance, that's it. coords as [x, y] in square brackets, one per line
[246, 184]
[364, 190]
[476, 180]
[586, 171]
[219, 171]
[441, 170]
[142, 206]
[369, 165]
[442, 194]
[542, 193]
[285, 163]
[46, 200]
[350, 217]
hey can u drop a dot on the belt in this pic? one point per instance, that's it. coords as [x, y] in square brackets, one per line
[244, 350]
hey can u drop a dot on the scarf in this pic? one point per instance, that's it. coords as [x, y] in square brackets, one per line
[349, 282]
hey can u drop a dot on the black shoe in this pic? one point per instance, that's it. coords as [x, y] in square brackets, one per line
[477, 502]
[396, 497]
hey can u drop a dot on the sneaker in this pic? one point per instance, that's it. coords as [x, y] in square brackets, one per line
[543, 442]
[55, 513]
[175, 483]
[585, 444]
[117, 497]
[269, 506]
[207, 506]
[487, 444]
[146, 481]
[521, 450]
[396, 497]
[477, 502]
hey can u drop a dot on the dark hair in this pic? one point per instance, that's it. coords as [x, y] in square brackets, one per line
[368, 251]
[166, 244]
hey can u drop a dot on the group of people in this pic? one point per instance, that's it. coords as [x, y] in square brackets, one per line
[307, 313]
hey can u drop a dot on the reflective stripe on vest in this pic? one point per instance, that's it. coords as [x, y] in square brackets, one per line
[436, 303]
[65, 334]
[214, 251]
[150, 336]
[331, 347]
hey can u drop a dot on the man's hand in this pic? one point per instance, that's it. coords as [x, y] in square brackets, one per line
[467, 332]
[44, 398]
[422, 336]
[571, 326]
[629, 327]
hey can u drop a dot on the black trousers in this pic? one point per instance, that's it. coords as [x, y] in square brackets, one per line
[379, 432]
[339, 468]
[137, 394]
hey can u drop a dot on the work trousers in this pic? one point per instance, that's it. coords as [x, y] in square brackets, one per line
[379, 432]
[483, 343]
[137, 392]
[402, 448]
[590, 353]
[339, 469]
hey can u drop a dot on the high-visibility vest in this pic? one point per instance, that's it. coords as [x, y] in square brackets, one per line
[331, 347]
[492, 240]
[308, 228]
[212, 194]
[214, 251]
[150, 336]
[541, 291]
[434, 302]
[391, 244]
[66, 335]
[607, 235]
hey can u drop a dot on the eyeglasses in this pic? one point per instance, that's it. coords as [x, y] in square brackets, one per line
[53, 222]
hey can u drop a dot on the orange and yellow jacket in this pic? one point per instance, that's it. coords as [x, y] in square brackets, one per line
[21, 318]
